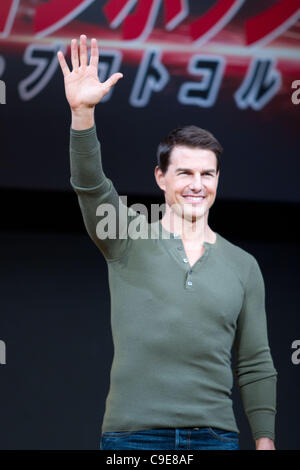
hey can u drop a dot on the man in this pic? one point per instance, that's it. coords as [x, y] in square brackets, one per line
[181, 294]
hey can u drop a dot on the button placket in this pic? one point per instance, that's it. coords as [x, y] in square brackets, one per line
[189, 281]
[188, 273]
[180, 255]
[176, 250]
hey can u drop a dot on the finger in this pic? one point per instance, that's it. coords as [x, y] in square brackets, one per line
[83, 51]
[94, 60]
[63, 64]
[111, 81]
[74, 54]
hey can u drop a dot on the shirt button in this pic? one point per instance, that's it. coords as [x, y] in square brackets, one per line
[185, 260]
[179, 248]
[190, 271]
[190, 283]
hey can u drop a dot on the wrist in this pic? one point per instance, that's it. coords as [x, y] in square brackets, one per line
[264, 443]
[82, 118]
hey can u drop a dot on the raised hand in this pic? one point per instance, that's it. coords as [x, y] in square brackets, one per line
[82, 86]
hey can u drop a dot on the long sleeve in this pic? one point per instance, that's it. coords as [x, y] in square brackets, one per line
[102, 209]
[254, 370]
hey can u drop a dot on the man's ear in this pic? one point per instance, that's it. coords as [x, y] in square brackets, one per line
[160, 178]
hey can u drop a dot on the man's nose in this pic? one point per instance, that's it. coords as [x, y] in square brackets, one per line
[196, 183]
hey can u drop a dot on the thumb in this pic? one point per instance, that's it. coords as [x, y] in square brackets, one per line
[111, 81]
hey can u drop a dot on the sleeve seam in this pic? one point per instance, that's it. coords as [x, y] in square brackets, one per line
[87, 188]
[250, 413]
[83, 132]
[272, 374]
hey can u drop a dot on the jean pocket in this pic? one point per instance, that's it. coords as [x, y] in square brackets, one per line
[223, 435]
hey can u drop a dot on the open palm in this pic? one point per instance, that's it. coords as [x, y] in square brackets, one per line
[82, 85]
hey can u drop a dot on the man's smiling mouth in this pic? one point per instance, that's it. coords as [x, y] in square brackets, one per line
[194, 199]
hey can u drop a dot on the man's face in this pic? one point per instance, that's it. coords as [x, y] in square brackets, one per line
[190, 182]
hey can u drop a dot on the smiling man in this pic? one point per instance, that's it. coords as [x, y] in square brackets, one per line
[180, 300]
[188, 173]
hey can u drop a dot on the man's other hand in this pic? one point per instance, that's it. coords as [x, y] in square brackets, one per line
[264, 443]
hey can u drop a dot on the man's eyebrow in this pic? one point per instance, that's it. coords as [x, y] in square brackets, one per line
[211, 170]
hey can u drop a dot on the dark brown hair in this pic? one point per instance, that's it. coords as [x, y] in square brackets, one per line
[188, 136]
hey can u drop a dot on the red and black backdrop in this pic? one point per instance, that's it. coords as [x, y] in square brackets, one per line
[226, 65]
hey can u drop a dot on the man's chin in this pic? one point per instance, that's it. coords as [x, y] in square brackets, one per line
[193, 216]
[189, 212]
[193, 211]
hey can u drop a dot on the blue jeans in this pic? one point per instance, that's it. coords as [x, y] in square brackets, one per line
[171, 439]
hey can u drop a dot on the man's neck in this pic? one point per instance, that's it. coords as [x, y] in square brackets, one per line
[188, 230]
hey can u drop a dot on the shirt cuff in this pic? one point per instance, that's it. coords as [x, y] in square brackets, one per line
[262, 424]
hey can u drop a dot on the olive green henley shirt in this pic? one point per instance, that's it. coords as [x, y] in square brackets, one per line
[174, 326]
